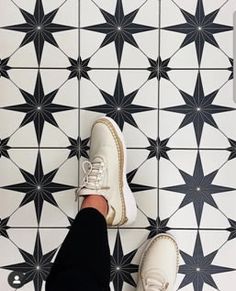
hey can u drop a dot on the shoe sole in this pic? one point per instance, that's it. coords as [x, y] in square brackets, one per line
[149, 244]
[129, 208]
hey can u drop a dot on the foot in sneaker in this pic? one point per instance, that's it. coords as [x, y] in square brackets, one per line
[106, 173]
[159, 264]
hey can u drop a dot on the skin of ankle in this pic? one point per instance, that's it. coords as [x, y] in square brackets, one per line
[97, 202]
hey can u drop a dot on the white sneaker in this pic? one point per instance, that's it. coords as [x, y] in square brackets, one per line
[159, 264]
[106, 174]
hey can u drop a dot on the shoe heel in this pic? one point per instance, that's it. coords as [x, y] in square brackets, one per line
[130, 205]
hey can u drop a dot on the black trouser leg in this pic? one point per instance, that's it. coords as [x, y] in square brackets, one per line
[83, 261]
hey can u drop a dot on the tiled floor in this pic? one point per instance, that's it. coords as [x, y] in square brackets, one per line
[163, 70]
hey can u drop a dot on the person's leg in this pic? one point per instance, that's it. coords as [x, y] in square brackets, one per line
[83, 261]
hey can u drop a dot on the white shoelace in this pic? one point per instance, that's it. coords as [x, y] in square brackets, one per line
[93, 176]
[156, 284]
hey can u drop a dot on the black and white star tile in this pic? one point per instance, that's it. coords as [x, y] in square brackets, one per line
[197, 33]
[198, 109]
[163, 70]
[116, 34]
[199, 185]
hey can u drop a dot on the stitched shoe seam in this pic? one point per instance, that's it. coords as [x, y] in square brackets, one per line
[119, 146]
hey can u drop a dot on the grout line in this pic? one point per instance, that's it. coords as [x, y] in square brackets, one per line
[158, 103]
[128, 148]
[79, 88]
[116, 69]
[123, 227]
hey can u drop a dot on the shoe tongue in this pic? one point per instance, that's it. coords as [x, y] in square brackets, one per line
[97, 159]
[91, 185]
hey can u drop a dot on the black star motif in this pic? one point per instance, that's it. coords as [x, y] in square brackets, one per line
[79, 68]
[39, 108]
[36, 266]
[4, 148]
[159, 69]
[38, 187]
[232, 229]
[231, 69]
[119, 106]
[119, 28]
[78, 148]
[157, 226]
[39, 28]
[121, 266]
[158, 148]
[4, 68]
[232, 149]
[4, 227]
[199, 28]
[198, 269]
[198, 189]
[137, 187]
[198, 109]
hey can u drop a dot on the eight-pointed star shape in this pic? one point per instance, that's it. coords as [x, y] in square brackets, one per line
[121, 266]
[232, 149]
[157, 226]
[78, 148]
[199, 28]
[198, 189]
[39, 28]
[38, 108]
[38, 187]
[198, 269]
[4, 147]
[4, 227]
[119, 28]
[158, 68]
[198, 109]
[79, 68]
[4, 68]
[36, 266]
[158, 148]
[119, 106]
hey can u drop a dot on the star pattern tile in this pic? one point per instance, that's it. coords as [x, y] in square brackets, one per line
[198, 189]
[78, 148]
[121, 266]
[79, 68]
[38, 187]
[4, 227]
[38, 108]
[198, 109]
[232, 149]
[159, 69]
[199, 28]
[4, 68]
[42, 115]
[157, 226]
[36, 266]
[119, 106]
[4, 148]
[199, 268]
[119, 28]
[39, 28]
[158, 148]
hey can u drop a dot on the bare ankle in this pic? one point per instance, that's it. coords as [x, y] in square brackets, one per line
[96, 201]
